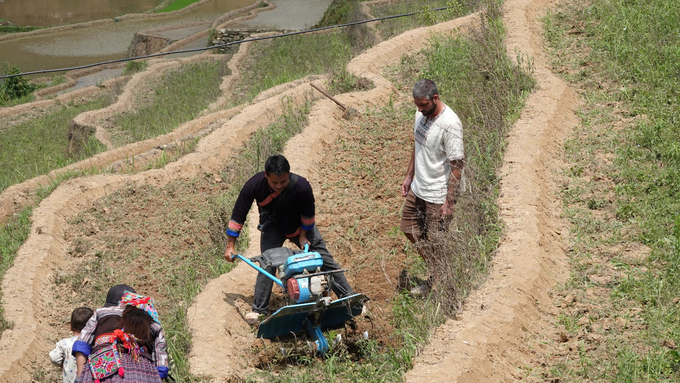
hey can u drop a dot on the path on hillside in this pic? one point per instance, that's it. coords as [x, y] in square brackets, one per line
[501, 325]
[507, 324]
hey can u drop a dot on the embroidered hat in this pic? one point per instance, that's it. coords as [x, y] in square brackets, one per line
[141, 302]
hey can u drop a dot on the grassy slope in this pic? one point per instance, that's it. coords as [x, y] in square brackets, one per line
[178, 97]
[23, 157]
[620, 309]
[177, 5]
[380, 362]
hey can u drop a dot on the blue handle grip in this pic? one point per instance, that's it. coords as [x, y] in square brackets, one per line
[261, 270]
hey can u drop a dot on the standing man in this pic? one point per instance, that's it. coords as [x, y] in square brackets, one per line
[434, 172]
[286, 204]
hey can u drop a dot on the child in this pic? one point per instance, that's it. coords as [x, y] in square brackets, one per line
[61, 355]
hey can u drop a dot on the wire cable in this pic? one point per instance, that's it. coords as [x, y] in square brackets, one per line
[220, 45]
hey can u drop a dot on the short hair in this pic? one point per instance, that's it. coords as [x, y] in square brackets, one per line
[425, 89]
[277, 164]
[79, 318]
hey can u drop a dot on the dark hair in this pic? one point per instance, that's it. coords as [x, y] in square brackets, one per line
[277, 165]
[137, 322]
[79, 318]
[115, 293]
[425, 89]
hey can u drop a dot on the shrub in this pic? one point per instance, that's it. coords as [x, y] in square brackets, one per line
[15, 87]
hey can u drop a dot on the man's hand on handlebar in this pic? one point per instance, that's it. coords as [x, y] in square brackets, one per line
[229, 256]
[230, 253]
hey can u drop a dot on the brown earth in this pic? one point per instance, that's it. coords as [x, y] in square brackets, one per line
[502, 326]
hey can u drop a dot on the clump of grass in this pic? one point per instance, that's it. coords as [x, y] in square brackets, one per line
[344, 82]
[178, 96]
[337, 13]
[176, 5]
[5, 29]
[133, 67]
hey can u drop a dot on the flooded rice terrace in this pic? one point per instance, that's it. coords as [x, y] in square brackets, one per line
[89, 44]
[50, 13]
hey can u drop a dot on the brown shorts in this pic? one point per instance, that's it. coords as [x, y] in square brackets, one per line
[418, 217]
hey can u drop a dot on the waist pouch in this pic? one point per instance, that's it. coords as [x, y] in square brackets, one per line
[105, 362]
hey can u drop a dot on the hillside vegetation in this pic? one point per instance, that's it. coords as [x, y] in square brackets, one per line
[620, 311]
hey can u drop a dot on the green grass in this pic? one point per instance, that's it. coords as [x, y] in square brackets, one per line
[282, 60]
[337, 13]
[392, 27]
[625, 57]
[39, 146]
[178, 96]
[12, 236]
[133, 67]
[5, 29]
[177, 5]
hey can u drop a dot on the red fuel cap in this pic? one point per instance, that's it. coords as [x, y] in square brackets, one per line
[293, 289]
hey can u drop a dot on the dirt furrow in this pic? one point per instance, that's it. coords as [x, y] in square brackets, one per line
[27, 286]
[505, 323]
[226, 299]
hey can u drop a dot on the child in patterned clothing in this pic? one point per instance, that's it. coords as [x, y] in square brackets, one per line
[61, 355]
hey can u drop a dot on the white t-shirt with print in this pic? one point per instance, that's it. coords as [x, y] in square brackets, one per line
[61, 356]
[437, 141]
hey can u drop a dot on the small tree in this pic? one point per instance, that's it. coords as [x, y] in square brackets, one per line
[15, 87]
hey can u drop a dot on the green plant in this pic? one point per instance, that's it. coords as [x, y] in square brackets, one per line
[133, 67]
[344, 82]
[16, 87]
[425, 14]
[57, 80]
[177, 5]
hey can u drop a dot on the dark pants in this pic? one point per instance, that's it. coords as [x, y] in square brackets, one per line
[273, 238]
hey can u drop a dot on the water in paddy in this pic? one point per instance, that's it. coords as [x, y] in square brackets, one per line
[96, 43]
[48, 13]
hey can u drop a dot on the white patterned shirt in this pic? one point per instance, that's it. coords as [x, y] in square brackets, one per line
[438, 141]
[61, 356]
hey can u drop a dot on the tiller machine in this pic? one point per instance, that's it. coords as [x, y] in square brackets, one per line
[308, 289]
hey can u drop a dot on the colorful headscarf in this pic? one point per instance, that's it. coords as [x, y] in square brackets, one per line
[141, 302]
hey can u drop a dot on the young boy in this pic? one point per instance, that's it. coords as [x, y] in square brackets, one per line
[61, 355]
